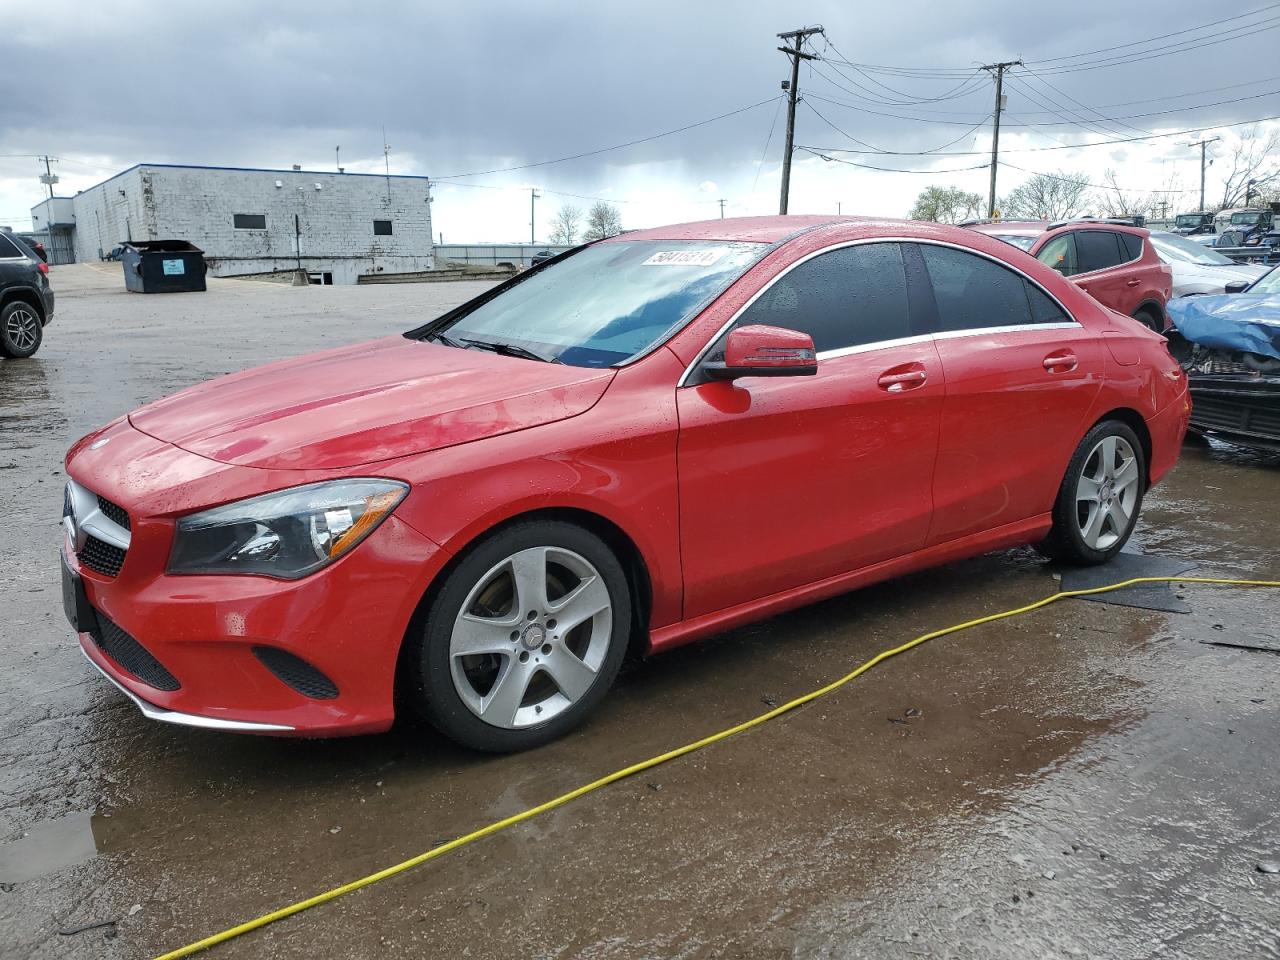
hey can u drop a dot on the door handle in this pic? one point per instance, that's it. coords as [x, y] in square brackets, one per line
[902, 380]
[1133, 283]
[1061, 361]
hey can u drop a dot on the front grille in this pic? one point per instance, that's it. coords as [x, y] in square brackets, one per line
[132, 656]
[296, 673]
[101, 557]
[113, 511]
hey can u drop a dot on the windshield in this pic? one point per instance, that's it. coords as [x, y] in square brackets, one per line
[1267, 283]
[605, 303]
[1172, 247]
[1244, 219]
[1022, 243]
[1188, 220]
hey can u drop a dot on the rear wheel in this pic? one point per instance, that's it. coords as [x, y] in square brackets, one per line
[20, 330]
[524, 638]
[1100, 497]
[1150, 317]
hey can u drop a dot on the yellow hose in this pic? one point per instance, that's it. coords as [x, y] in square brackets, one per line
[232, 932]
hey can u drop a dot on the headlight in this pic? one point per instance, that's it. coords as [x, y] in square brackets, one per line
[286, 534]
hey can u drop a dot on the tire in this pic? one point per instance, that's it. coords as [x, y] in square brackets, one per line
[1151, 318]
[1097, 508]
[529, 681]
[20, 330]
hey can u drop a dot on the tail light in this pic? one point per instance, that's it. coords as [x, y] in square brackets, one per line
[43, 267]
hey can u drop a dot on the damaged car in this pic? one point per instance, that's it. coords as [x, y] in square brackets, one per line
[1229, 345]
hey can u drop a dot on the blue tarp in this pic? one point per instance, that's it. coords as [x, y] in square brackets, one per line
[1233, 321]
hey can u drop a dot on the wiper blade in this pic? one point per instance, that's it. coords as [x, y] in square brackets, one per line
[447, 340]
[510, 350]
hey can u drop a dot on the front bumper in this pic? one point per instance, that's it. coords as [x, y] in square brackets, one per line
[1241, 408]
[346, 621]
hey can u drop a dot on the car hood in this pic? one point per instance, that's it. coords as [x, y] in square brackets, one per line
[367, 402]
[1184, 272]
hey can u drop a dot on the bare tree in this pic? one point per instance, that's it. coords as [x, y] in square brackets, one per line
[1253, 167]
[603, 220]
[946, 205]
[565, 225]
[1048, 196]
[1113, 200]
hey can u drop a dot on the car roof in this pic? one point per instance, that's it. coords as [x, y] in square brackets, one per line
[750, 229]
[1012, 228]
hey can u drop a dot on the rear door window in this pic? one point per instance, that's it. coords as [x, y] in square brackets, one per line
[1132, 244]
[9, 249]
[974, 293]
[845, 298]
[1098, 250]
[1060, 254]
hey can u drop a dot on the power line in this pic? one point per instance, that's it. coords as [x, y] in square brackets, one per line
[1096, 186]
[866, 166]
[1083, 146]
[1199, 42]
[616, 146]
[767, 140]
[1163, 36]
[895, 153]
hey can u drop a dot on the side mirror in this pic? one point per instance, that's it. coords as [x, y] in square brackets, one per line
[760, 351]
[1237, 286]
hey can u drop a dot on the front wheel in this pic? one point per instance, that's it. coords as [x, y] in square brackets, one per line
[1100, 497]
[524, 637]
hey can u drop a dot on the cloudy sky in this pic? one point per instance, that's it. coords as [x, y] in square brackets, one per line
[469, 89]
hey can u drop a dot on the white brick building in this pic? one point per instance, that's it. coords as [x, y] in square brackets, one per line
[336, 226]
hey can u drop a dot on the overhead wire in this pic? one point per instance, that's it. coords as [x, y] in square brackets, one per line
[616, 146]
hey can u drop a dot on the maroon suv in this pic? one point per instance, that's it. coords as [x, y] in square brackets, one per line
[1114, 262]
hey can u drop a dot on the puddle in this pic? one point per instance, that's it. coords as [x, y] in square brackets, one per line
[48, 847]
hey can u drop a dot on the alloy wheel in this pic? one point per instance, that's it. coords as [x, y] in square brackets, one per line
[1107, 492]
[531, 637]
[22, 329]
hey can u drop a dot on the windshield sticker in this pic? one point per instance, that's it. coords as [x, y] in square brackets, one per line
[685, 258]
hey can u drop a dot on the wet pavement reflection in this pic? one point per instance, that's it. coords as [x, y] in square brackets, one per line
[1090, 780]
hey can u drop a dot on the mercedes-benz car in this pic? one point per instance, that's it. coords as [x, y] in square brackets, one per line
[645, 441]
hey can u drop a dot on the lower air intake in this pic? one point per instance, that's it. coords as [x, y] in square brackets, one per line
[132, 656]
[295, 672]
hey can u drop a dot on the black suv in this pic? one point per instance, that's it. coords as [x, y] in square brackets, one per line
[26, 300]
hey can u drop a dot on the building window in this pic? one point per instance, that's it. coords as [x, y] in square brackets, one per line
[250, 221]
[382, 228]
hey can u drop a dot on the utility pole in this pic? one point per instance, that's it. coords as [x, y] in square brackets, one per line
[49, 179]
[997, 70]
[721, 202]
[1248, 192]
[533, 197]
[386, 160]
[798, 37]
[838, 205]
[1202, 144]
[337, 157]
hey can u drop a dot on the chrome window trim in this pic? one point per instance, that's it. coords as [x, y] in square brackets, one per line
[1007, 328]
[874, 345]
[885, 344]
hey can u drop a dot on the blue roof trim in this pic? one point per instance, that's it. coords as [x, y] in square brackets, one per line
[196, 166]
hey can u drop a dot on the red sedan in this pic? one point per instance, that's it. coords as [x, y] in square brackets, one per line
[638, 443]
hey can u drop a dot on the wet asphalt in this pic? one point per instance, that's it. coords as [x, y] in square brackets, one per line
[1087, 781]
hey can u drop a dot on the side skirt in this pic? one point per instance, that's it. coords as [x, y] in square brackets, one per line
[1011, 535]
